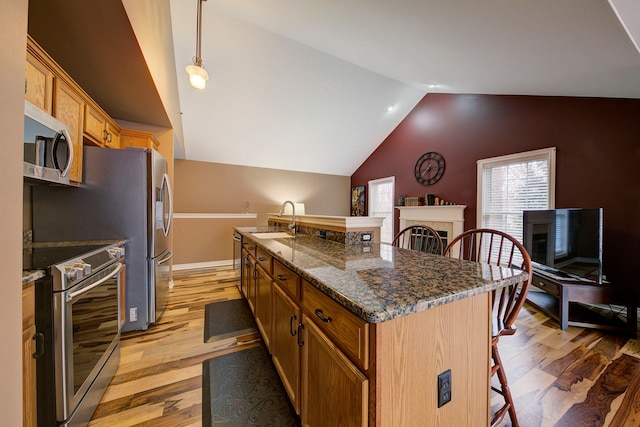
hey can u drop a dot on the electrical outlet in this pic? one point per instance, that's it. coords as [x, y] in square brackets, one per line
[133, 314]
[322, 234]
[444, 388]
[365, 237]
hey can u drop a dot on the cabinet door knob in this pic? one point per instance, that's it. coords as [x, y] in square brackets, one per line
[320, 316]
[291, 331]
[300, 342]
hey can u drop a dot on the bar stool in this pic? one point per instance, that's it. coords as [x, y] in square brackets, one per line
[419, 238]
[498, 248]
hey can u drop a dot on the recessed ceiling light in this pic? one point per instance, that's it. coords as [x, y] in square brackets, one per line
[432, 85]
[390, 108]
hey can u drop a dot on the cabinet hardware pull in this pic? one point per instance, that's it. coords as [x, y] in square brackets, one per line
[255, 274]
[39, 338]
[300, 342]
[291, 331]
[281, 277]
[321, 316]
[261, 259]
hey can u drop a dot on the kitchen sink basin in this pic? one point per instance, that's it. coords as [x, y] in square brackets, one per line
[279, 235]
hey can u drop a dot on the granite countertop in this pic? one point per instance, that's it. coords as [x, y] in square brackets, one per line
[30, 275]
[379, 282]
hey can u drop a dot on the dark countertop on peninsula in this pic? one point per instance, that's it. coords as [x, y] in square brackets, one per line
[379, 282]
[30, 275]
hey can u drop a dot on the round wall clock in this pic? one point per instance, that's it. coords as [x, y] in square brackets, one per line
[429, 168]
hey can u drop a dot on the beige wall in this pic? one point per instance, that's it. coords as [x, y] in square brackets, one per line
[13, 33]
[201, 187]
[205, 240]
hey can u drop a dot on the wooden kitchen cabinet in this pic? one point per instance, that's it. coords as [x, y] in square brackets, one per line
[140, 139]
[251, 285]
[263, 309]
[100, 129]
[285, 349]
[38, 84]
[348, 331]
[49, 88]
[28, 361]
[334, 391]
[68, 107]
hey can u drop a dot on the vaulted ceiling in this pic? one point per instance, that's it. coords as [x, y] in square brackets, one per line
[317, 85]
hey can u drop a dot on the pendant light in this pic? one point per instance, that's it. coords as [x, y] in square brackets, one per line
[198, 76]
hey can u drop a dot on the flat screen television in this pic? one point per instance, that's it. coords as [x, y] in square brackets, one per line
[565, 243]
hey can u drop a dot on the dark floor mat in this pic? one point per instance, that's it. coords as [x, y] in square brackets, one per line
[225, 319]
[243, 389]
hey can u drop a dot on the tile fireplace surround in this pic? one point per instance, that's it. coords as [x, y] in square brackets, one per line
[448, 220]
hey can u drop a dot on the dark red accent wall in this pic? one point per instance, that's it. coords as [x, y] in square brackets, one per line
[598, 157]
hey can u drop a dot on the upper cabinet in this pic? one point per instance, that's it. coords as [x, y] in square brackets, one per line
[100, 129]
[38, 85]
[134, 138]
[48, 87]
[68, 107]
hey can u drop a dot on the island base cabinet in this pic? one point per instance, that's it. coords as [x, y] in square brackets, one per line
[284, 344]
[334, 391]
[263, 305]
[411, 351]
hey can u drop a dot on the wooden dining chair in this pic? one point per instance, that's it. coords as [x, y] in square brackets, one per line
[419, 238]
[498, 248]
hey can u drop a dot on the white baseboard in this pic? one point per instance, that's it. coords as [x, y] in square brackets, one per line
[206, 264]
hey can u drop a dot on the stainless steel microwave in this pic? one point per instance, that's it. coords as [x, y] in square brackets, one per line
[48, 149]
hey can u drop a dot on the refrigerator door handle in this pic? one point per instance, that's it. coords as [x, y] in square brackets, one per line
[167, 185]
[166, 258]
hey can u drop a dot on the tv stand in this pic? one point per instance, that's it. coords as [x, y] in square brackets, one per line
[560, 298]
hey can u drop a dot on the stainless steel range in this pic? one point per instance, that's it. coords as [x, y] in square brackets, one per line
[78, 313]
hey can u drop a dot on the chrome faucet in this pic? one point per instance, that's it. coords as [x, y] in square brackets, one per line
[292, 226]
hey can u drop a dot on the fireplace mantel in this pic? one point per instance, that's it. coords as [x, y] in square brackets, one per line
[449, 218]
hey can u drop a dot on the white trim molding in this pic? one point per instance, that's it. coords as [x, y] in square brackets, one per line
[214, 215]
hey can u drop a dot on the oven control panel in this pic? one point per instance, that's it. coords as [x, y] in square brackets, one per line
[116, 252]
[77, 270]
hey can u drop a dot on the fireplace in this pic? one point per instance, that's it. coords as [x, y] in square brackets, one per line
[447, 220]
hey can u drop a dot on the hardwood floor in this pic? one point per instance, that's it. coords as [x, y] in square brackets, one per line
[159, 381]
[577, 377]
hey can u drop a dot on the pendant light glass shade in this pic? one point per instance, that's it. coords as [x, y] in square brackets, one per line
[198, 76]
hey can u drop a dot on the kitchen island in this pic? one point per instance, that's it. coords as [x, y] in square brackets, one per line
[360, 333]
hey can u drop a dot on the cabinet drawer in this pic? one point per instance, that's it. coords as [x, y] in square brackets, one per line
[264, 259]
[349, 332]
[287, 279]
[249, 246]
[546, 285]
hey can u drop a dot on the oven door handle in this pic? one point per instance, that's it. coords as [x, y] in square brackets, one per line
[79, 292]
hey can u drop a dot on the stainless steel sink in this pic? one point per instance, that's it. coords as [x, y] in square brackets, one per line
[278, 235]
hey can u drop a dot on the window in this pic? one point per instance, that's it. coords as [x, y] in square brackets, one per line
[381, 196]
[508, 185]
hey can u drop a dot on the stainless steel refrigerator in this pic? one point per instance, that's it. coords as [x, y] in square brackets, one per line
[124, 194]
